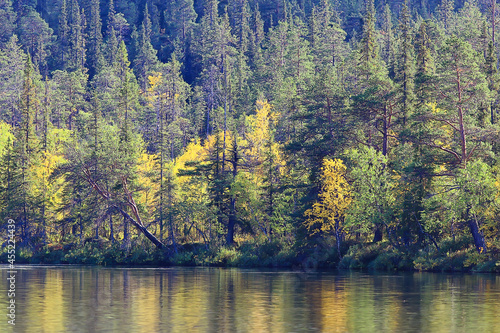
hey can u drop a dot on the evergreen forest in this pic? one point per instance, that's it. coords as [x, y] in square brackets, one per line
[284, 133]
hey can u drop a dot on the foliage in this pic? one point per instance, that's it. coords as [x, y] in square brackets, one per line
[334, 198]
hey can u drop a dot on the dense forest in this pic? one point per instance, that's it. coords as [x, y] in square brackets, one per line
[252, 132]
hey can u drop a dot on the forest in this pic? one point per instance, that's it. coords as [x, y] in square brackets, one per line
[287, 133]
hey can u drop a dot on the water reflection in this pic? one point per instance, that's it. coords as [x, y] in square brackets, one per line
[82, 299]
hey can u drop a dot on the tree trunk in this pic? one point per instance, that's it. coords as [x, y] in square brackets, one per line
[111, 231]
[377, 236]
[131, 203]
[141, 228]
[232, 209]
[231, 223]
[478, 236]
[125, 233]
[338, 237]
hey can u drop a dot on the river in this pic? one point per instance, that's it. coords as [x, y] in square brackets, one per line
[100, 299]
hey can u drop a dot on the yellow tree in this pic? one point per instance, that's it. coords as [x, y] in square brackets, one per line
[146, 182]
[335, 197]
[192, 197]
[49, 192]
[263, 154]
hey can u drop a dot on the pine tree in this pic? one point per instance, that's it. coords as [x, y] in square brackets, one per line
[241, 14]
[127, 87]
[68, 97]
[9, 188]
[319, 116]
[35, 35]
[169, 94]
[11, 195]
[180, 18]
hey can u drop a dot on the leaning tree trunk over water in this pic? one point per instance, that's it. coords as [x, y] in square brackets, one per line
[136, 219]
[478, 236]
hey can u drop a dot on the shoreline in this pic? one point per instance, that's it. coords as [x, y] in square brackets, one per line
[358, 257]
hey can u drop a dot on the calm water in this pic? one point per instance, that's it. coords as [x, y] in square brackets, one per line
[89, 299]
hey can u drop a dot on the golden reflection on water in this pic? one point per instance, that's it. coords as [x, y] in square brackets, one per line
[82, 299]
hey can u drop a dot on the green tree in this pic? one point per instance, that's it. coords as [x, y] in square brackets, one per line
[8, 18]
[180, 18]
[464, 204]
[27, 148]
[12, 65]
[95, 40]
[111, 46]
[369, 59]
[445, 11]
[462, 88]
[373, 195]
[217, 57]
[77, 37]
[145, 60]
[68, 97]
[63, 35]
[388, 47]
[35, 35]
[425, 67]
[406, 64]
[374, 104]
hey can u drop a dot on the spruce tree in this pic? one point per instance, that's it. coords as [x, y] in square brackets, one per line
[8, 19]
[445, 10]
[27, 147]
[493, 77]
[369, 59]
[64, 32]
[95, 40]
[147, 23]
[145, 60]
[36, 36]
[387, 51]
[374, 103]
[77, 37]
[110, 22]
[111, 47]
[406, 64]
[425, 65]
[12, 65]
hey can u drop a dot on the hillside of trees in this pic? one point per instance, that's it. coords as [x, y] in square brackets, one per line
[339, 133]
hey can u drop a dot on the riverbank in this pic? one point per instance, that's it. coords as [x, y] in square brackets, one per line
[450, 256]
